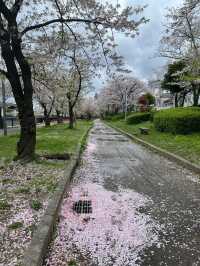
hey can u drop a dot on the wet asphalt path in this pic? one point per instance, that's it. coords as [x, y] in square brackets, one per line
[145, 209]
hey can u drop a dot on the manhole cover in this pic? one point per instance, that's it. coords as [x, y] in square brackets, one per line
[83, 206]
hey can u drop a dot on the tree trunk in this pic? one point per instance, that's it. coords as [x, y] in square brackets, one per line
[23, 94]
[47, 120]
[59, 118]
[1, 120]
[71, 116]
[196, 94]
[176, 100]
[182, 99]
[27, 141]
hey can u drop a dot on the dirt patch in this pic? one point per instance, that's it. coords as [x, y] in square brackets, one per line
[57, 156]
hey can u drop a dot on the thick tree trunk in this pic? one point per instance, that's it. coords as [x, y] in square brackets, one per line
[27, 141]
[22, 94]
[71, 116]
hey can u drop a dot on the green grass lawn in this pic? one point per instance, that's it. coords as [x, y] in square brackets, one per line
[26, 189]
[187, 146]
[54, 139]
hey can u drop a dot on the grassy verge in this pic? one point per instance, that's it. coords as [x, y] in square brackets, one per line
[26, 189]
[187, 146]
[55, 139]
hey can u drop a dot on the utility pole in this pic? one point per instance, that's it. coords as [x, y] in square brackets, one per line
[4, 108]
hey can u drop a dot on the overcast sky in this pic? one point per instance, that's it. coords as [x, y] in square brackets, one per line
[139, 53]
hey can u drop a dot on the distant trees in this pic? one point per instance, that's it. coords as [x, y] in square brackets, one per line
[174, 82]
[120, 92]
[145, 101]
[150, 98]
[45, 84]
[88, 108]
[74, 82]
[181, 44]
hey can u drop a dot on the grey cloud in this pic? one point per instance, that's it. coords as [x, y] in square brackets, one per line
[140, 53]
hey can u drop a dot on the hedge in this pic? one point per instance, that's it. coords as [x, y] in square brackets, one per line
[138, 118]
[152, 112]
[116, 117]
[178, 120]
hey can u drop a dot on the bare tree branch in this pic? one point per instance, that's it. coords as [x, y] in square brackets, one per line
[59, 20]
[82, 47]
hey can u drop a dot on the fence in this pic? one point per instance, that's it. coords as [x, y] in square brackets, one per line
[10, 121]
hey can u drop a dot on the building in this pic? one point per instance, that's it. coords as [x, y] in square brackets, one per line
[164, 99]
[11, 114]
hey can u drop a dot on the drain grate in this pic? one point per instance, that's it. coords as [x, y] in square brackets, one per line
[83, 206]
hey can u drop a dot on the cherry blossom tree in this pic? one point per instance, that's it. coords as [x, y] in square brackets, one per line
[75, 82]
[44, 94]
[181, 42]
[20, 19]
[120, 92]
[88, 108]
[64, 72]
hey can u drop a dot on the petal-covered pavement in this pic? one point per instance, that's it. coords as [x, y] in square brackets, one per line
[144, 209]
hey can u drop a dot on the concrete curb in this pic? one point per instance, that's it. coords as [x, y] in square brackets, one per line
[171, 156]
[36, 252]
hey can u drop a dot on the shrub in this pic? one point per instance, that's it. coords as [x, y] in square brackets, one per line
[138, 118]
[152, 112]
[114, 117]
[178, 120]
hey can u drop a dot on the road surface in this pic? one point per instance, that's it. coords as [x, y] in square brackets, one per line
[144, 209]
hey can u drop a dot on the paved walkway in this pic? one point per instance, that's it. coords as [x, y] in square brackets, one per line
[145, 209]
